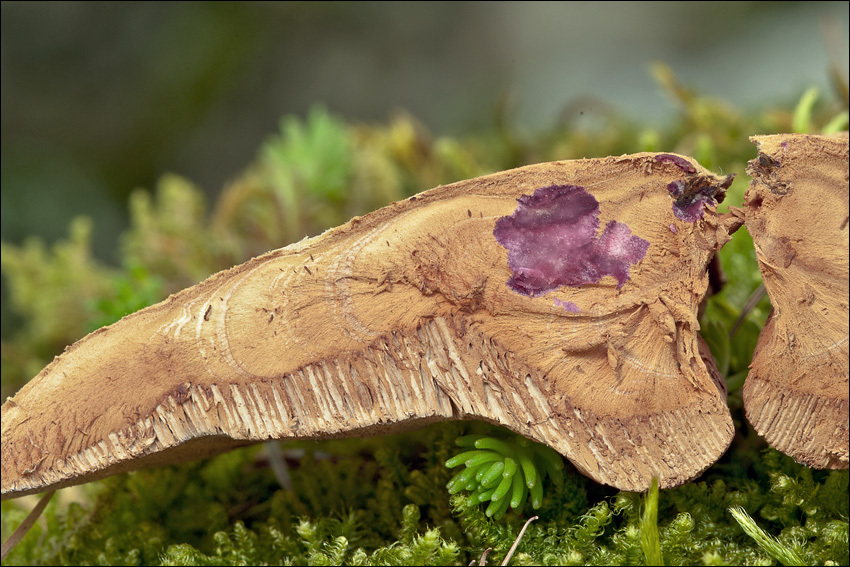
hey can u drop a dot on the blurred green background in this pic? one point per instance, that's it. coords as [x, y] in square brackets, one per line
[101, 98]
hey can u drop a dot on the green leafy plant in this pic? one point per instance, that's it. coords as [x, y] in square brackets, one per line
[504, 472]
[649, 538]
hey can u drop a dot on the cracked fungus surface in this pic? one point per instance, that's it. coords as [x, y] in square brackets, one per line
[551, 242]
[402, 317]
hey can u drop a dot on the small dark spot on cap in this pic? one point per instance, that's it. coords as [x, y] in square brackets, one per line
[181, 394]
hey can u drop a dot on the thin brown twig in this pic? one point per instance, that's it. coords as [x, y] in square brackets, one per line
[25, 526]
[748, 306]
[483, 561]
[516, 542]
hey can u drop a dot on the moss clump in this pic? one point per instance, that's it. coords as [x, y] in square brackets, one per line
[384, 500]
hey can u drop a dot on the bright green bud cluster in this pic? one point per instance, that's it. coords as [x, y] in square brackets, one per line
[504, 472]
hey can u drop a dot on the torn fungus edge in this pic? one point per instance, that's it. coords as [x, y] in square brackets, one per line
[679, 162]
[692, 195]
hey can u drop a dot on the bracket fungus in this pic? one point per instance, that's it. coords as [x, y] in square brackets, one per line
[796, 394]
[553, 299]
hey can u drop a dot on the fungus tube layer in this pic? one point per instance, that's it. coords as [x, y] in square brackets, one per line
[796, 394]
[403, 317]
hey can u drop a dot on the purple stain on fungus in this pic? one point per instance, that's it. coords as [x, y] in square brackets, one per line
[567, 305]
[551, 242]
[693, 194]
[691, 209]
[673, 228]
[679, 162]
[676, 188]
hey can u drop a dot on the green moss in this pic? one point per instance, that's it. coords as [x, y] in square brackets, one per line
[384, 500]
[52, 290]
[350, 504]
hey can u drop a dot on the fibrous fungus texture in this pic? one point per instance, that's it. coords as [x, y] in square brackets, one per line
[796, 394]
[414, 314]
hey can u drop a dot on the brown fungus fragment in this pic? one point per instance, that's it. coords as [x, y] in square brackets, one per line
[796, 394]
[409, 318]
